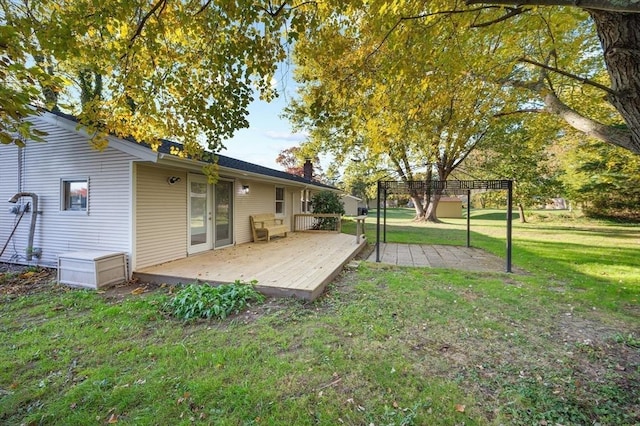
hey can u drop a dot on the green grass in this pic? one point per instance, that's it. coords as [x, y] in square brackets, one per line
[556, 344]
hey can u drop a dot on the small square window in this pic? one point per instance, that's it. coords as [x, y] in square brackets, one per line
[75, 194]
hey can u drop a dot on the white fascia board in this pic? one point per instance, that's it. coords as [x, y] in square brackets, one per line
[183, 163]
[132, 148]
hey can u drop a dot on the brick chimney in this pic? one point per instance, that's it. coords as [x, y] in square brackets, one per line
[308, 169]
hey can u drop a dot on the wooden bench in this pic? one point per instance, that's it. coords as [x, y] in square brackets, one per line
[264, 226]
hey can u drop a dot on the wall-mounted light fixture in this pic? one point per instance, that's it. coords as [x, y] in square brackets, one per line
[172, 180]
[245, 189]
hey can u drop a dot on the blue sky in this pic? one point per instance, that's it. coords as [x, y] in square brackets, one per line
[267, 135]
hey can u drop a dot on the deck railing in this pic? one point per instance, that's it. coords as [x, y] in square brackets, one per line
[317, 222]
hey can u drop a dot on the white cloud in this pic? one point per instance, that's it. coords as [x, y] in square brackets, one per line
[286, 136]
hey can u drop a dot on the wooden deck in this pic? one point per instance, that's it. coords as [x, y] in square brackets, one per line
[300, 265]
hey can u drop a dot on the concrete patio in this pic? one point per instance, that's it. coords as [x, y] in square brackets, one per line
[439, 256]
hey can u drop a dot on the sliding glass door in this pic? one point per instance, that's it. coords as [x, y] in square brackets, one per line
[223, 213]
[199, 214]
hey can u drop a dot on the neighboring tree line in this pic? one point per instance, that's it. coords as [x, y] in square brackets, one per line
[439, 91]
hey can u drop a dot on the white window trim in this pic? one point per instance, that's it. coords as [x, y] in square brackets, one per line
[305, 201]
[63, 201]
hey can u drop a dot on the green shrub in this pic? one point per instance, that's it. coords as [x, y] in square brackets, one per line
[327, 202]
[205, 301]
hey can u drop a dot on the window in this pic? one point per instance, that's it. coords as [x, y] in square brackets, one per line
[75, 194]
[279, 200]
[305, 201]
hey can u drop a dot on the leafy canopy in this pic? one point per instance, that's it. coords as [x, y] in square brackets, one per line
[185, 70]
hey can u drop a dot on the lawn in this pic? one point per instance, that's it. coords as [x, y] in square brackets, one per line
[556, 344]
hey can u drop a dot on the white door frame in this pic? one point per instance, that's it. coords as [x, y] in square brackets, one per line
[199, 215]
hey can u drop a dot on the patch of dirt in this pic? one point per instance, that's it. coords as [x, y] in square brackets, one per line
[131, 288]
[17, 281]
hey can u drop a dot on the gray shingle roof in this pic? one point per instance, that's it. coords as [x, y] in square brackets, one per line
[223, 161]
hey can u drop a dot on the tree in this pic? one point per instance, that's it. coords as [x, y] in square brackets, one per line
[604, 179]
[618, 27]
[293, 159]
[419, 98]
[20, 86]
[519, 149]
[188, 70]
[150, 69]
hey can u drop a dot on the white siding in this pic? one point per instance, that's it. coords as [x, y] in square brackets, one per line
[161, 216]
[66, 154]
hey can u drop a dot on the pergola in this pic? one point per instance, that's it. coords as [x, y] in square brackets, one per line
[455, 187]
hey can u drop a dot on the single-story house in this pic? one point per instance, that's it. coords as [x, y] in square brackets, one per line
[352, 205]
[449, 207]
[151, 205]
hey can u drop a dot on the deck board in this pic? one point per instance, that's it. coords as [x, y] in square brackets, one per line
[300, 265]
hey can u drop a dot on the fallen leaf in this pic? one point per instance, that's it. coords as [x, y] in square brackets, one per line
[460, 408]
[395, 404]
[113, 419]
[138, 290]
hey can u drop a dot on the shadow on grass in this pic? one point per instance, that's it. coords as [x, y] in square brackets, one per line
[494, 215]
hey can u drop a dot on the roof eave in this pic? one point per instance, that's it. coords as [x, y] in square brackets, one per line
[139, 151]
[197, 164]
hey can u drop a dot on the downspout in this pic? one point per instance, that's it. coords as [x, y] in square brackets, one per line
[34, 215]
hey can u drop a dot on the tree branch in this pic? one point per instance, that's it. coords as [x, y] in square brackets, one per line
[510, 14]
[611, 134]
[582, 80]
[518, 111]
[144, 19]
[631, 6]
[421, 16]
[204, 6]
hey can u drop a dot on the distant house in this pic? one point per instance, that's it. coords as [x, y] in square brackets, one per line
[449, 207]
[352, 205]
[151, 205]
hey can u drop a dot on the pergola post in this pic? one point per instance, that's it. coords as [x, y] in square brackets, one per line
[509, 222]
[384, 226]
[378, 224]
[468, 218]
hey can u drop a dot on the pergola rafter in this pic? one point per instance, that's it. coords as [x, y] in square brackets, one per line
[459, 187]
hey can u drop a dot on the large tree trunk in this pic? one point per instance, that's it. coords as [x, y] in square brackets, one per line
[619, 35]
[417, 204]
[521, 213]
[431, 215]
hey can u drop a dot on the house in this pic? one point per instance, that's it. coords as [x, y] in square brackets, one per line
[352, 205]
[449, 207]
[151, 205]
